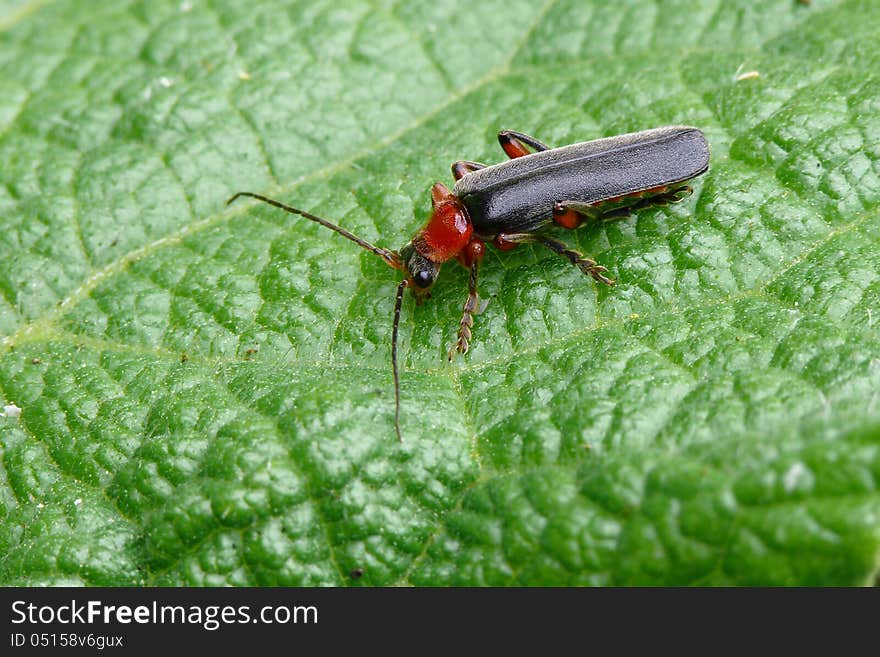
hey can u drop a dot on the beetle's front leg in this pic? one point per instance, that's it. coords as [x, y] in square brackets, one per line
[579, 260]
[471, 308]
[471, 257]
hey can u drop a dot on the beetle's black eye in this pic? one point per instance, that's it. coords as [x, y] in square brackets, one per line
[419, 270]
[423, 278]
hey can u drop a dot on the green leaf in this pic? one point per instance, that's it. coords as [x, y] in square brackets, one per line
[205, 392]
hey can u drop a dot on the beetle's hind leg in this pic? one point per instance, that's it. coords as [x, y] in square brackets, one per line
[516, 144]
[667, 197]
[578, 259]
[463, 167]
[571, 214]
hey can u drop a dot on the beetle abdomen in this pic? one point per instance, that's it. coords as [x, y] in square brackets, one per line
[518, 195]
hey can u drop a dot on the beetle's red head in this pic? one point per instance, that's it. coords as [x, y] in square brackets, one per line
[447, 232]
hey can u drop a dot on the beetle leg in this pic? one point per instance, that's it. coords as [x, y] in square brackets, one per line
[579, 260]
[471, 257]
[672, 196]
[464, 167]
[471, 308]
[666, 198]
[517, 144]
[586, 265]
[571, 214]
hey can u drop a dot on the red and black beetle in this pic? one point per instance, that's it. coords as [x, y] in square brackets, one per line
[510, 203]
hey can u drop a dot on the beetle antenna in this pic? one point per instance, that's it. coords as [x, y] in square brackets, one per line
[389, 256]
[397, 303]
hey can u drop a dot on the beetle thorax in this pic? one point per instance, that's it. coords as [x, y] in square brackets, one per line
[448, 230]
[446, 235]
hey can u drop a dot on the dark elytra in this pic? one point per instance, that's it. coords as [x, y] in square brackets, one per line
[517, 195]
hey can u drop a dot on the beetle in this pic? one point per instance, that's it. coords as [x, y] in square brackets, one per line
[511, 203]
